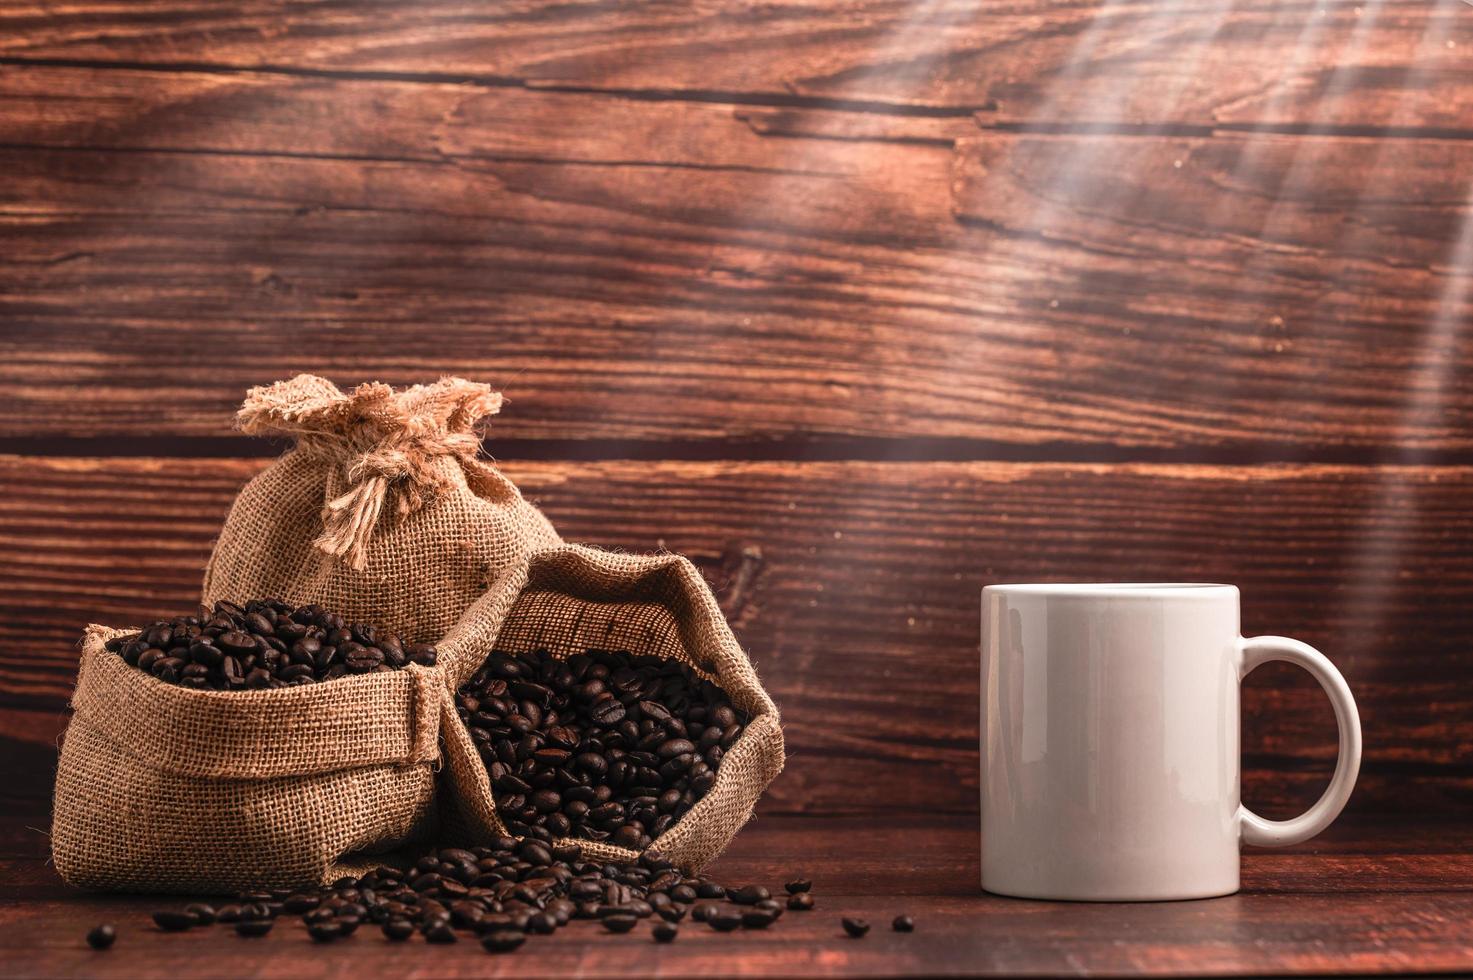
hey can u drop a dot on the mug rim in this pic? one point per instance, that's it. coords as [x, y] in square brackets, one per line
[1115, 590]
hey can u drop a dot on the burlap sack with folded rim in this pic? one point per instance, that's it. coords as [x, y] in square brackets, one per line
[167, 789]
[382, 512]
[574, 598]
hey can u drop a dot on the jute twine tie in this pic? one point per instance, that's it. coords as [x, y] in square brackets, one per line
[386, 444]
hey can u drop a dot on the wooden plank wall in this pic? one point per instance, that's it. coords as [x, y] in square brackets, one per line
[863, 305]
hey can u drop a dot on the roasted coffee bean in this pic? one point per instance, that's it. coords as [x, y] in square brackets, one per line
[704, 911]
[421, 653]
[174, 921]
[664, 932]
[621, 922]
[903, 923]
[749, 895]
[542, 924]
[724, 921]
[266, 644]
[397, 930]
[855, 927]
[602, 746]
[801, 902]
[204, 915]
[758, 918]
[296, 904]
[324, 932]
[503, 940]
[710, 889]
[101, 937]
[440, 933]
[801, 885]
[253, 927]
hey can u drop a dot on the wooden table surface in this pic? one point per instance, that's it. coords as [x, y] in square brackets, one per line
[1369, 896]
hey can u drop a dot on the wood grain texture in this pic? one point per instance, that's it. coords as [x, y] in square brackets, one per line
[1367, 897]
[1392, 63]
[646, 270]
[862, 610]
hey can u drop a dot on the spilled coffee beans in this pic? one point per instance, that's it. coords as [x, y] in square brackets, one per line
[603, 746]
[503, 894]
[265, 644]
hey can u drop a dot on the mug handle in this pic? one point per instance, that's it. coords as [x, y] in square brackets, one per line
[1278, 833]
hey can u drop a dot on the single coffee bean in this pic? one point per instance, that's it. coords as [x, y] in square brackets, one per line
[398, 930]
[440, 933]
[664, 932]
[855, 927]
[204, 915]
[542, 924]
[296, 904]
[903, 923]
[725, 921]
[174, 921]
[503, 941]
[324, 932]
[749, 895]
[675, 747]
[534, 852]
[704, 911]
[710, 889]
[798, 886]
[801, 902]
[422, 654]
[758, 918]
[253, 927]
[102, 936]
[622, 922]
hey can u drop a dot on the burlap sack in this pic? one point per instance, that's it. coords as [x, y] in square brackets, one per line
[163, 788]
[383, 511]
[574, 598]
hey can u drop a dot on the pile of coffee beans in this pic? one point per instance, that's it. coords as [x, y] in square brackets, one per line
[602, 746]
[265, 644]
[500, 894]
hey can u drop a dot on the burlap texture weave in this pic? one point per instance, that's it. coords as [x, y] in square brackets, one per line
[168, 789]
[382, 512]
[574, 598]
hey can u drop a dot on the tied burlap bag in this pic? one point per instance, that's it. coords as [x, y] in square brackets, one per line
[163, 788]
[383, 511]
[571, 599]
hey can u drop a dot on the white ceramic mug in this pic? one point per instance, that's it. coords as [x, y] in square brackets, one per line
[1110, 754]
